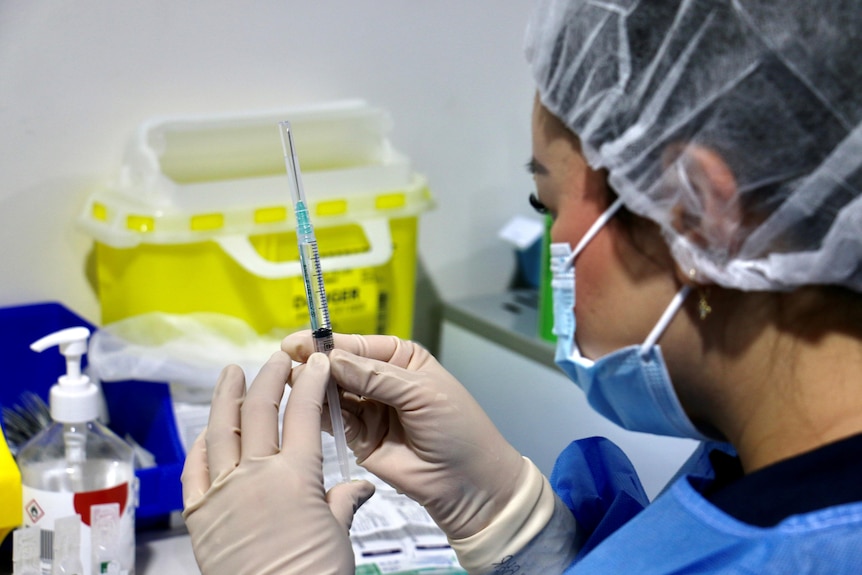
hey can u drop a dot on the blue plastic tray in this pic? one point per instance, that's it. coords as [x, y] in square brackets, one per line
[141, 409]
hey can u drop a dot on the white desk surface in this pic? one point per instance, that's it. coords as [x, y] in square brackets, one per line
[165, 551]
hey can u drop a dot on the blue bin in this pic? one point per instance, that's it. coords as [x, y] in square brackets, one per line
[141, 409]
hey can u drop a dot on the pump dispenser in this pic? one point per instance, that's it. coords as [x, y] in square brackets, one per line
[74, 398]
[78, 466]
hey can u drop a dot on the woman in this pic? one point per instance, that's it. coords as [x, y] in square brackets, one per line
[702, 163]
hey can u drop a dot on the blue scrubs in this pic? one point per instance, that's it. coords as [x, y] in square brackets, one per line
[696, 525]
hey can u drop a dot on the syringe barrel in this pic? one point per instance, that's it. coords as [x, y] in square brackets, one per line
[318, 309]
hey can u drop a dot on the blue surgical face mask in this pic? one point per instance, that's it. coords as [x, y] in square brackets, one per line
[630, 386]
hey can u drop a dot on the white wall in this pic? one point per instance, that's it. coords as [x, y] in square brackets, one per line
[77, 77]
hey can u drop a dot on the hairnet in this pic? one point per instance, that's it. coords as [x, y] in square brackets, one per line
[772, 88]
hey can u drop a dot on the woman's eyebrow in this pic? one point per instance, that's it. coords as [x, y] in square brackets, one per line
[536, 168]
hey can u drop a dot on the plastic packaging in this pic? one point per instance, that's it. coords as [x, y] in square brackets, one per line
[186, 350]
[78, 467]
[25, 551]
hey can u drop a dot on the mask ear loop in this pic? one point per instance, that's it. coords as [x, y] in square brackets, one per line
[665, 320]
[675, 303]
[594, 229]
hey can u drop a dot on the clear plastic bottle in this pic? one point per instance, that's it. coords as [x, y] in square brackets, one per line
[79, 466]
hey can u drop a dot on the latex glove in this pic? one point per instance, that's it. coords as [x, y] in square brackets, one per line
[254, 508]
[415, 426]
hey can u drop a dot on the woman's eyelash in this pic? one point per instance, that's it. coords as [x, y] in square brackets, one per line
[537, 205]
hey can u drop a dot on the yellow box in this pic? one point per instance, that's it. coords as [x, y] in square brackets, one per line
[11, 503]
[175, 236]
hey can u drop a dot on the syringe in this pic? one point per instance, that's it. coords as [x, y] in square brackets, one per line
[318, 309]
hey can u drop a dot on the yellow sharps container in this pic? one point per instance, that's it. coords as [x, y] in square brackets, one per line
[200, 219]
[10, 491]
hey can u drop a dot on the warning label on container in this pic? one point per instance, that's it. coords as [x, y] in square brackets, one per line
[34, 511]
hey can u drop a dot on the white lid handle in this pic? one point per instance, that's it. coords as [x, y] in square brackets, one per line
[376, 231]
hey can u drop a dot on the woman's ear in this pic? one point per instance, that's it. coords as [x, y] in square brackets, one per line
[707, 211]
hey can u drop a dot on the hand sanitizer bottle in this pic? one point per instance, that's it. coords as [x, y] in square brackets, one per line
[77, 465]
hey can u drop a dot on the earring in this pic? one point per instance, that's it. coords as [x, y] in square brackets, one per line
[703, 307]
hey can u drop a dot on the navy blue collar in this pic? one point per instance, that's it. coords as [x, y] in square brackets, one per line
[828, 476]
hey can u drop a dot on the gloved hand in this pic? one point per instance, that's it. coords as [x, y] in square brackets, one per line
[254, 508]
[415, 426]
